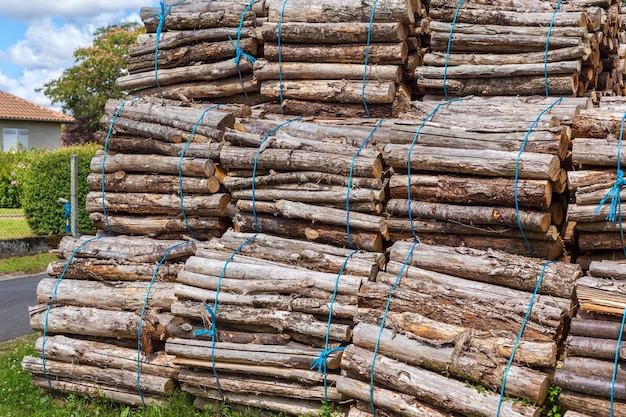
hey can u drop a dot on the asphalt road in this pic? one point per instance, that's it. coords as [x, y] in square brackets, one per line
[15, 297]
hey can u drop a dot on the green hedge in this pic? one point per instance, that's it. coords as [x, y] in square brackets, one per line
[12, 167]
[47, 179]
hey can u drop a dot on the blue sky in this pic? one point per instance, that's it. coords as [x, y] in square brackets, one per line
[38, 38]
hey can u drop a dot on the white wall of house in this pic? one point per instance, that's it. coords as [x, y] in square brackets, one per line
[40, 134]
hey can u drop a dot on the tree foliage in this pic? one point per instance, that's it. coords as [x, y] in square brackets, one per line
[83, 89]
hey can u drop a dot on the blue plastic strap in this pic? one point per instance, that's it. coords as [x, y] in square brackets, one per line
[382, 324]
[239, 53]
[517, 161]
[52, 297]
[617, 349]
[519, 335]
[614, 193]
[213, 317]
[545, 59]
[320, 362]
[143, 312]
[256, 161]
[180, 168]
[367, 139]
[280, 58]
[445, 67]
[419, 129]
[165, 10]
[367, 56]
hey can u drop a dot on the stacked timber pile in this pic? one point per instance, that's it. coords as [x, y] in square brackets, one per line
[590, 375]
[499, 47]
[270, 306]
[338, 57]
[104, 318]
[481, 172]
[157, 174]
[292, 179]
[595, 192]
[451, 316]
[197, 50]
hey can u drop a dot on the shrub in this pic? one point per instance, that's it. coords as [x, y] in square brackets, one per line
[12, 165]
[46, 180]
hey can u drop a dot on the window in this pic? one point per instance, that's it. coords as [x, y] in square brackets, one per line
[11, 137]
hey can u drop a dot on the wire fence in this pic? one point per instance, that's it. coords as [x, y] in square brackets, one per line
[13, 224]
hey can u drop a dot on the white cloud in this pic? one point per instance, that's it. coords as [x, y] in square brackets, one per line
[25, 85]
[32, 9]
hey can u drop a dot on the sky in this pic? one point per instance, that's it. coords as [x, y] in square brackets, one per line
[38, 38]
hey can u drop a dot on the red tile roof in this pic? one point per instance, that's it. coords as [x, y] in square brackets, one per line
[16, 108]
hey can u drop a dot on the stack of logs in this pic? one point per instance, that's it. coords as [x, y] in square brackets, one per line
[315, 57]
[108, 307]
[595, 145]
[197, 50]
[267, 301]
[587, 373]
[464, 159]
[509, 57]
[154, 177]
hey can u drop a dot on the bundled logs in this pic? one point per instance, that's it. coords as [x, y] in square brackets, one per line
[197, 50]
[264, 304]
[589, 373]
[104, 316]
[526, 48]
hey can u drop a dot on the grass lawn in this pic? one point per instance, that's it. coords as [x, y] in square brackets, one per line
[11, 228]
[31, 264]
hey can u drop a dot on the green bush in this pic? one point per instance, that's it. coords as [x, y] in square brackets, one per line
[47, 179]
[12, 165]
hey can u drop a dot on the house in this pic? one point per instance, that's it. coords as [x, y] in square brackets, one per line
[32, 125]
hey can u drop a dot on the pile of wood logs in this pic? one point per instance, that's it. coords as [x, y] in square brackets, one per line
[265, 303]
[464, 157]
[197, 50]
[587, 373]
[499, 47]
[154, 177]
[315, 56]
[105, 315]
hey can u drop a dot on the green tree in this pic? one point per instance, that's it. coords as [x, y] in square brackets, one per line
[83, 89]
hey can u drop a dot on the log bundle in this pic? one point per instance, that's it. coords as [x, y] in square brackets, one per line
[197, 51]
[266, 308]
[481, 172]
[104, 314]
[589, 367]
[499, 48]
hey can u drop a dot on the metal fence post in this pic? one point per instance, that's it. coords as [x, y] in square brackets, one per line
[74, 197]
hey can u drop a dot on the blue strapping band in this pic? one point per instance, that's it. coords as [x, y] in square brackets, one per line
[143, 312]
[280, 59]
[320, 361]
[382, 324]
[519, 335]
[545, 59]
[180, 168]
[367, 56]
[445, 67]
[419, 129]
[617, 349]
[351, 176]
[165, 10]
[52, 297]
[256, 161]
[517, 160]
[239, 53]
[205, 332]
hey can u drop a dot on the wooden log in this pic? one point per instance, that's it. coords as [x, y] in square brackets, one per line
[438, 59]
[510, 18]
[531, 220]
[195, 20]
[500, 43]
[121, 182]
[335, 33]
[378, 53]
[89, 389]
[492, 267]
[342, 91]
[258, 7]
[586, 213]
[320, 109]
[593, 347]
[590, 385]
[469, 161]
[599, 240]
[148, 130]
[608, 269]
[570, 413]
[335, 11]
[594, 367]
[458, 397]
[596, 124]
[475, 367]
[601, 329]
[594, 151]
[589, 404]
[105, 356]
[491, 29]
[113, 377]
[147, 203]
[496, 71]
[402, 404]
[310, 193]
[301, 177]
[111, 270]
[130, 145]
[161, 227]
[218, 90]
[266, 70]
[525, 85]
[190, 167]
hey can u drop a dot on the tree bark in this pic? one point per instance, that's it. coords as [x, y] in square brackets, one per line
[594, 406]
[378, 53]
[160, 227]
[438, 59]
[335, 33]
[335, 11]
[219, 89]
[527, 85]
[143, 203]
[121, 182]
[111, 270]
[342, 91]
[130, 145]
[196, 20]
[266, 70]
[190, 167]
[502, 43]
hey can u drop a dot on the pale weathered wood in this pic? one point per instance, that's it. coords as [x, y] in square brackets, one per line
[301, 177]
[190, 167]
[162, 227]
[342, 91]
[486, 16]
[112, 270]
[335, 32]
[524, 85]
[608, 269]
[147, 203]
[218, 90]
[378, 53]
[266, 70]
[130, 145]
[438, 59]
[196, 20]
[341, 11]
[492, 29]
[121, 182]
[495, 71]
